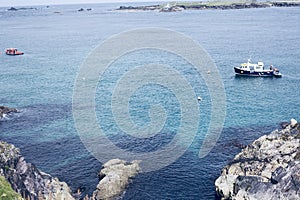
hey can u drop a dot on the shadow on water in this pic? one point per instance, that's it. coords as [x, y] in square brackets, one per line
[36, 115]
[52, 147]
[191, 177]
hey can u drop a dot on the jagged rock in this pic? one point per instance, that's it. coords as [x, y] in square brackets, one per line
[293, 123]
[12, 9]
[115, 176]
[269, 168]
[284, 124]
[27, 180]
[224, 185]
[6, 110]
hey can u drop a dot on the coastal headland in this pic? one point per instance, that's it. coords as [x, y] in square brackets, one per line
[214, 5]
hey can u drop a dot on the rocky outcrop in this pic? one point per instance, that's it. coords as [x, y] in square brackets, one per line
[269, 168]
[16, 9]
[175, 8]
[152, 7]
[115, 175]
[209, 6]
[27, 180]
[6, 110]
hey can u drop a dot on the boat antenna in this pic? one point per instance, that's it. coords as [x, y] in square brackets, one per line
[249, 60]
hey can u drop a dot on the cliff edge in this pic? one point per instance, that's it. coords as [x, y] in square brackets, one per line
[269, 168]
[27, 180]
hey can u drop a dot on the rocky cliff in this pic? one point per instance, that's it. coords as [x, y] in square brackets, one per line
[269, 168]
[34, 184]
[31, 183]
[27, 180]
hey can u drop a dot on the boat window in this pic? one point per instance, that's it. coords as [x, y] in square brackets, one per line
[251, 68]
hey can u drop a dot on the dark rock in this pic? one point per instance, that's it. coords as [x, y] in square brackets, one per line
[6, 110]
[23, 8]
[284, 124]
[277, 175]
[27, 8]
[12, 9]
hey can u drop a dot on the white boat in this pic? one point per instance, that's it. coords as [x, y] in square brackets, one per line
[251, 69]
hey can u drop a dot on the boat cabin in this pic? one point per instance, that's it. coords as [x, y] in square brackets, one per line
[13, 51]
[252, 67]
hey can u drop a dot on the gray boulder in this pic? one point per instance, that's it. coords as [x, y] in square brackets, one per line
[115, 176]
[269, 168]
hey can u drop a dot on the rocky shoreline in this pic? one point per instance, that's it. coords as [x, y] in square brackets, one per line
[174, 7]
[31, 183]
[269, 168]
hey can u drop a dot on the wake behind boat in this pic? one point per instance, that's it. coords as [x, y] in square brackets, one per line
[250, 69]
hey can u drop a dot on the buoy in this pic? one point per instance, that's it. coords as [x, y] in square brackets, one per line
[199, 99]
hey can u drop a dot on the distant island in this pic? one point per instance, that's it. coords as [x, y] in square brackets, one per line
[209, 5]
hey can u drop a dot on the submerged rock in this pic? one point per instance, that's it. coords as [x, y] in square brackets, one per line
[6, 110]
[12, 9]
[269, 168]
[27, 180]
[115, 176]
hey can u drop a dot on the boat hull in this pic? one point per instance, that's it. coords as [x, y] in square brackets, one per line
[14, 54]
[265, 73]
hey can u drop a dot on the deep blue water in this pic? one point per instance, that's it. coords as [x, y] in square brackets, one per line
[40, 84]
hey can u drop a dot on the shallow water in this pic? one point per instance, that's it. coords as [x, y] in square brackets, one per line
[40, 84]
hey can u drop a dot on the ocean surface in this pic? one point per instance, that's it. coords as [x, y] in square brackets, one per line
[57, 40]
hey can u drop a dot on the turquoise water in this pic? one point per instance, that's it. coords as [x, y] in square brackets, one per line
[40, 83]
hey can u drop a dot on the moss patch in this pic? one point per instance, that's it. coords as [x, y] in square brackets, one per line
[6, 192]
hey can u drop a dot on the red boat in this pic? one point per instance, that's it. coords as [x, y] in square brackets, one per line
[13, 52]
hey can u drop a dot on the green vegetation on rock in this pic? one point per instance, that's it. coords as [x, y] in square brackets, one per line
[6, 192]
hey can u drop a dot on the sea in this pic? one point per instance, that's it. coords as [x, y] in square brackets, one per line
[58, 39]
